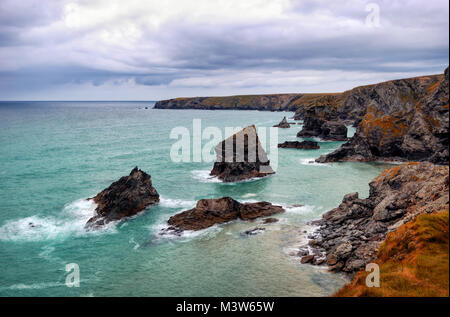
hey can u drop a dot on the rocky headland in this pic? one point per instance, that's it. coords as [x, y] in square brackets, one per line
[276, 102]
[305, 145]
[209, 212]
[348, 237]
[124, 198]
[405, 120]
[241, 157]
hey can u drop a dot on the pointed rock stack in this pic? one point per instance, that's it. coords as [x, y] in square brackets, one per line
[241, 157]
[284, 124]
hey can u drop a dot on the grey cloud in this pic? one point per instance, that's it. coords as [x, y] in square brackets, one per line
[413, 38]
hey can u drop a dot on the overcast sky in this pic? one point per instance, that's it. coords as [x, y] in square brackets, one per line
[154, 49]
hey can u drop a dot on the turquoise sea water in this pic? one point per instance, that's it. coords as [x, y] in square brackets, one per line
[53, 155]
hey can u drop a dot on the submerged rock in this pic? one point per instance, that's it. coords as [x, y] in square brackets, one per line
[269, 220]
[209, 212]
[241, 157]
[305, 145]
[284, 124]
[350, 234]
[253, 232]
[124, 198]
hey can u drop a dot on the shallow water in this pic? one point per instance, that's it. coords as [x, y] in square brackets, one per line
[53, 155]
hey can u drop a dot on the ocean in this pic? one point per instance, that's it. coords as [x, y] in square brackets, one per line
[54, 155]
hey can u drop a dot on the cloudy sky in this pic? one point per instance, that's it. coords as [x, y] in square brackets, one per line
[153, 49]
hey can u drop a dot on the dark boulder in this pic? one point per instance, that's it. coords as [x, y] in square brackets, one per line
[305, 145]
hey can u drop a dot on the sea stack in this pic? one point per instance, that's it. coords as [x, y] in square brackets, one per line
[209, 212]
[241, 157]
[284, 124]
[124, 198]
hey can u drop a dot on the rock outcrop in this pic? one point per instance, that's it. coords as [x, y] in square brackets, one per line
[348, 236]
[284, 124]
[209, 212]
[241, 157]
[124, 198]
[323, 122]
[305, 145]
[406, 120]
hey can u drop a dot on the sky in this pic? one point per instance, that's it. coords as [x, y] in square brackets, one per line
[153, 49]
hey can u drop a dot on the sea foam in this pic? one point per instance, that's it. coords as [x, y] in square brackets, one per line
[204, 176]
[71, 221]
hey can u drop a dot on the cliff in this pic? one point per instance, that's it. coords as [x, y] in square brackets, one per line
[352, 105]
[404, 120]
[278, 102]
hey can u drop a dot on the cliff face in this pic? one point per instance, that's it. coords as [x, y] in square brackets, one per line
[279, 102]
[404, 120]
[390, 96]
[322, 121]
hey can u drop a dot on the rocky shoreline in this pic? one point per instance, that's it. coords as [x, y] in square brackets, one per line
[348, 237]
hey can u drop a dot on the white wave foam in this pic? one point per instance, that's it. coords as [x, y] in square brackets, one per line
[176, 203]
[204, 177]
[22, 286]
[312, 162]
[298, 209]
[71, 221]
[136, 245]
[249, 195]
